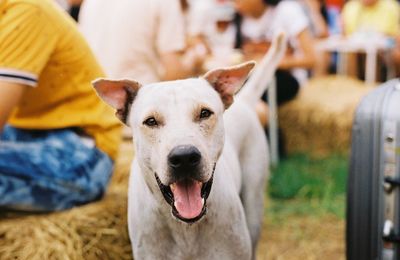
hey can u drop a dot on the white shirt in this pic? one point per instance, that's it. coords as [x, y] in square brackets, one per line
[129, 36]
[288, 17]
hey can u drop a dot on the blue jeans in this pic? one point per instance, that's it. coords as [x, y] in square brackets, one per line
[48, 170]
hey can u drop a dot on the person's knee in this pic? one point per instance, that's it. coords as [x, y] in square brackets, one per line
[287, 86]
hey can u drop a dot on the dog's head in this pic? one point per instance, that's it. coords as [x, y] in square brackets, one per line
[178, 131]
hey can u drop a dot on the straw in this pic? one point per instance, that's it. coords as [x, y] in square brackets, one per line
[319, 120]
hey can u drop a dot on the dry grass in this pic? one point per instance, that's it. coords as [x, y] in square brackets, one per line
[95, 231]
[99, 231]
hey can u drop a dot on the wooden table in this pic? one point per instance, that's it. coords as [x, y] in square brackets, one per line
[370, 46]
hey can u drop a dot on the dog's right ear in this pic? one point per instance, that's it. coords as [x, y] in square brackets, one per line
[119, 94]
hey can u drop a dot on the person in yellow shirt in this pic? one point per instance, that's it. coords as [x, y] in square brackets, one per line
[58, 141]
[378, 16]
[369, 20]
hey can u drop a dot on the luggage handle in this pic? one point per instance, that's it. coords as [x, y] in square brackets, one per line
[390, 183]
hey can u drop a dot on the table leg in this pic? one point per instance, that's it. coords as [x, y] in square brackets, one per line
[341, 66]
[370, 66]
[273, 122]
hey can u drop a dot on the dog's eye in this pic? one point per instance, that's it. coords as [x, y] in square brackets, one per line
[151, 121]
[205, 113]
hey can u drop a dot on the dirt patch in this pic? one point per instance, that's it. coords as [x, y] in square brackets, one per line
[305, 237]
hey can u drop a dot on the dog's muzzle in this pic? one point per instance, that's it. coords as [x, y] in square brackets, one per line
[186, 194]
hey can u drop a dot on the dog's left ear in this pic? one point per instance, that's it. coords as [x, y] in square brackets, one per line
[228, 81]
[119, 94]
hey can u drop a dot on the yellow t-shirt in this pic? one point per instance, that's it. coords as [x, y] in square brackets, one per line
[40, 46]
[383, 17]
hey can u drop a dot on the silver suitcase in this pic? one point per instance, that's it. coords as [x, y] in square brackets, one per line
[373, 202]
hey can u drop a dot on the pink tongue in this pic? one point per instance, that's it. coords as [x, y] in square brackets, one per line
[188, 201]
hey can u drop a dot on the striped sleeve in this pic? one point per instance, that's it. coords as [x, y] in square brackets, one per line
[27, 39]
[18, 76]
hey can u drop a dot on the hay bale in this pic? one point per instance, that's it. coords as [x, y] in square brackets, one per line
[319, 120]
[95, 231]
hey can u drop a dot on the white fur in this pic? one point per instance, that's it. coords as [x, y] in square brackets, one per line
[233, 139]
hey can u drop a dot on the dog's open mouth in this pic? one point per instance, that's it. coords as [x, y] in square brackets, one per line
[187, 198]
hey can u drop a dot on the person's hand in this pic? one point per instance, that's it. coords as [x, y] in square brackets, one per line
[255, 50]
[314, 5]
[256, 47]
[198, 40]
[10, 95]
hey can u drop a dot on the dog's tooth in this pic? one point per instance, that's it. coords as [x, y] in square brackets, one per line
[172, 187]
[202, 201]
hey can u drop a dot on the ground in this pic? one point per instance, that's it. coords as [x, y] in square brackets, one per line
[304, 218]
[305, 209]
[302, 237]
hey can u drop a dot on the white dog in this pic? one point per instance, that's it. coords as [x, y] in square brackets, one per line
[198, 180]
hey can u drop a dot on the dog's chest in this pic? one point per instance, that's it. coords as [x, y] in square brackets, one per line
[208, 240]
[189, 246]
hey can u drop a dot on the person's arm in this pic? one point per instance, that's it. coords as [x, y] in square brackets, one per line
[396, 52]
[22, 57]
[10, 95]
[317, 18]
[173, 66]
[307, 57]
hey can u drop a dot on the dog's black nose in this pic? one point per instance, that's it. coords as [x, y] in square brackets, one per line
[184, 157]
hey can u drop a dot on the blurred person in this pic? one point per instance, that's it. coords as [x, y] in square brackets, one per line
[195, 21]
[371, 16]
[264, 18]
[142, 40]
[260, 20]
[369, 20]
[58, 141]
[317, 14]
[257, 23]
[212, 21]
